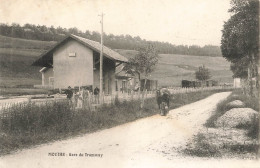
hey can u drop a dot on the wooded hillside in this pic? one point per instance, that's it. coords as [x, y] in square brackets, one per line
[126, 42]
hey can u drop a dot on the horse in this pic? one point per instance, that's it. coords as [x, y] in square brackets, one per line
[162, 98]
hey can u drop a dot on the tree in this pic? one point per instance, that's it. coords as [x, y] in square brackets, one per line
[143, 64]
[202, 74]
[240, 39]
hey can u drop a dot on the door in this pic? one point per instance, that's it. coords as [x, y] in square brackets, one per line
[51, 81]
[123, 86]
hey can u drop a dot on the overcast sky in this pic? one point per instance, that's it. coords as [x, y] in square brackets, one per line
[187, 22]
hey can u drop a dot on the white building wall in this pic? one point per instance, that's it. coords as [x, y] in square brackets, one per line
[73, 70]
[47, 74]
[237, 83]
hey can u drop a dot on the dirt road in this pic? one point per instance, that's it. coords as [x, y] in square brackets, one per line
[149, 142]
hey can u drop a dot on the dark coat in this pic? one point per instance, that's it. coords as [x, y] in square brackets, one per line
[162, 97]
[69, 93]
[96, 91]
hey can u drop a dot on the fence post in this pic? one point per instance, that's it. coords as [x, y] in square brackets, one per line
[103, 98]
[139, 94]
[132, 95]
[90, 99]
[29, 99]
[123, 95]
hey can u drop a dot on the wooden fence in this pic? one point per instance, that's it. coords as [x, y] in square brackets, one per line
[92, 101]
[188, 90]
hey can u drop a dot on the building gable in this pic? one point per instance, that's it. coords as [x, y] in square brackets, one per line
[73, 65]
[46, 59]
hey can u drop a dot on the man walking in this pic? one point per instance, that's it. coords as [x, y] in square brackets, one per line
[69, 94]
[96, 94]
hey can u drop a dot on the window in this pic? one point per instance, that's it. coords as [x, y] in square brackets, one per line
[72, 54]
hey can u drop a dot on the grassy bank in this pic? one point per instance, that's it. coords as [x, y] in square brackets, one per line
[30, 124]
[222, 107]
[227, 142]
[221, 144]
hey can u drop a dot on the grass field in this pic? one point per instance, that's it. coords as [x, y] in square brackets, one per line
[172, 68]
[17, 55]
[9, 42]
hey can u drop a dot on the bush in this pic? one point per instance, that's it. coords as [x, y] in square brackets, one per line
[243, 148]
[250, 102]
[253, 130]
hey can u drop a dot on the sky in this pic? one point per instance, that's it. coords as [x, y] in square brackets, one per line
[180, 22]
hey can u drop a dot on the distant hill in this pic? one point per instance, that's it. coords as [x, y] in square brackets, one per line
[126, 42]
[17, 55]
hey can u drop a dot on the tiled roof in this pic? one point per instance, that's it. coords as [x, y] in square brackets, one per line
[47, 57]
[106, 51]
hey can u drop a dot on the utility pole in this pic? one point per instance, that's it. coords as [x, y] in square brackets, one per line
[101, 59]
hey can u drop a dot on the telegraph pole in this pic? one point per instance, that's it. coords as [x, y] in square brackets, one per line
[101, 60]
